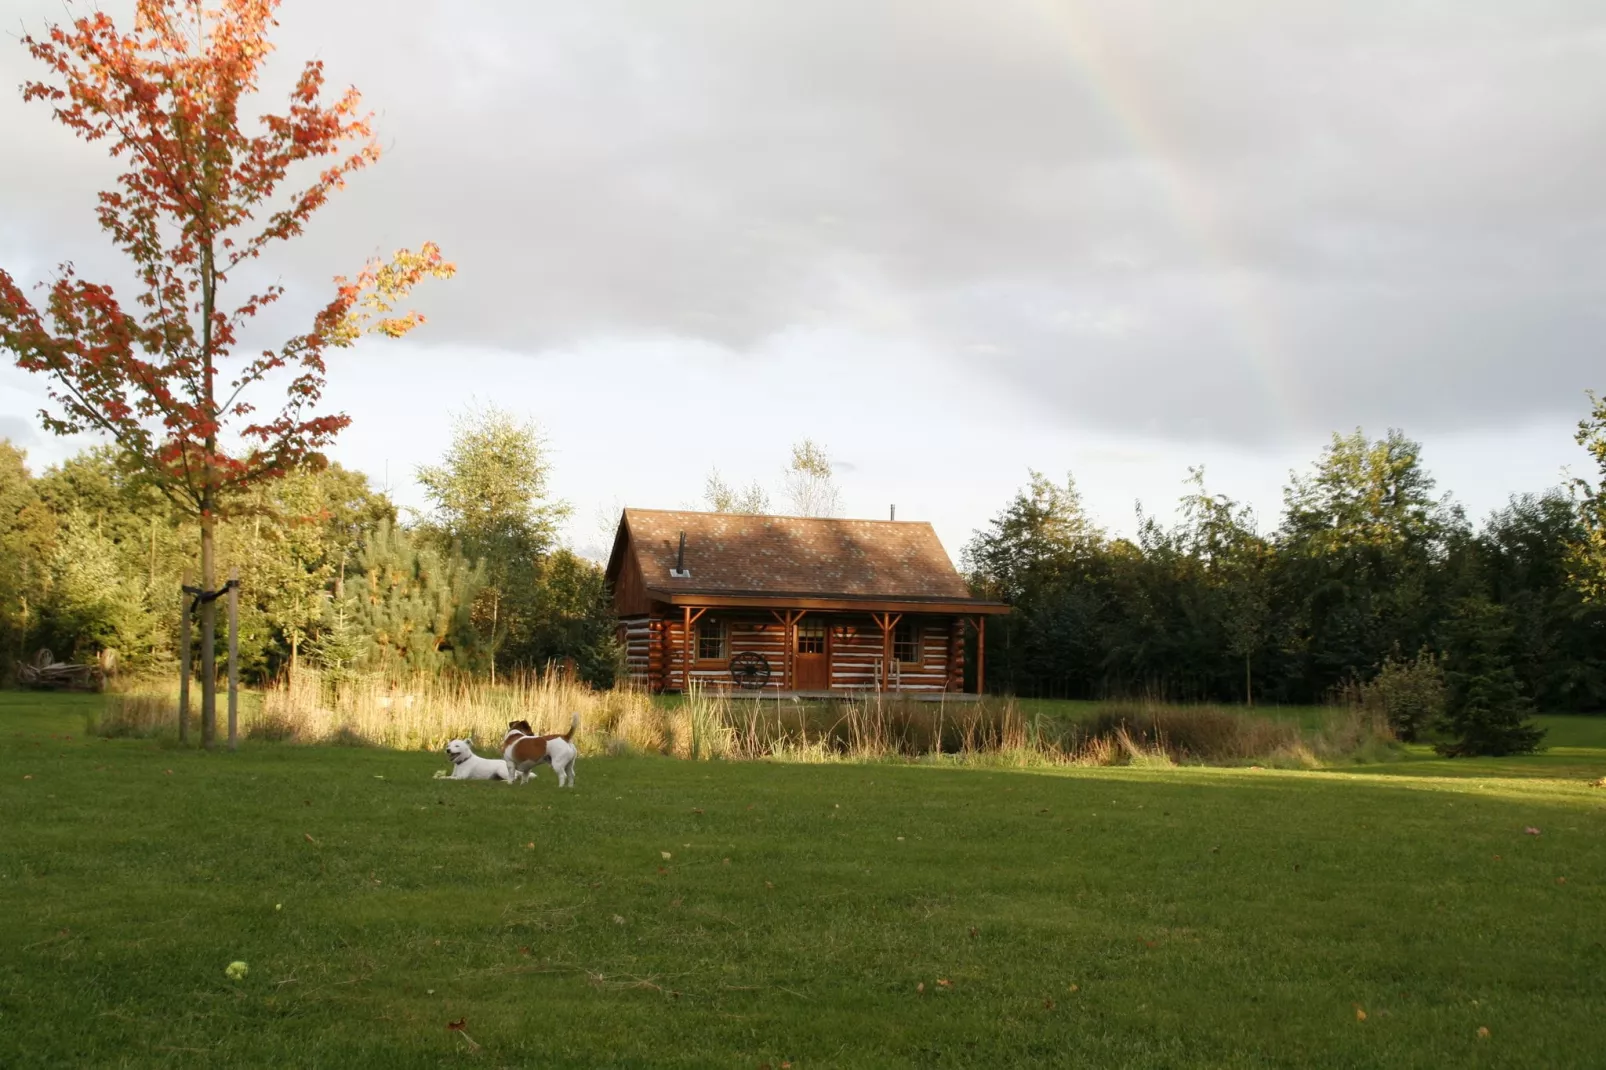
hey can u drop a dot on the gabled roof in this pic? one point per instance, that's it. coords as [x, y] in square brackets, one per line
[742, 556]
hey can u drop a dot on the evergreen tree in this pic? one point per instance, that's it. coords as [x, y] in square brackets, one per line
[415, 604]
[1487, 713]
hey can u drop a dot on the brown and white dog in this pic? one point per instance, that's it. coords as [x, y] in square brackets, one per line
[523, 750]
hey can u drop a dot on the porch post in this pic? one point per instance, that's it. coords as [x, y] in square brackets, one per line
[686, 653]
[981, 654]
[686, 647]
[887, 621]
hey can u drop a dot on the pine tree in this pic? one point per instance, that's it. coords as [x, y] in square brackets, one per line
[415, 604]
[1488, 712]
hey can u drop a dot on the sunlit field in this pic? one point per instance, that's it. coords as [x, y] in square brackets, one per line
[1418, 912]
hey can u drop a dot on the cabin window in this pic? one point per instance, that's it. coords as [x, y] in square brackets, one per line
[811, 636]
[906, 641]
[710, 639]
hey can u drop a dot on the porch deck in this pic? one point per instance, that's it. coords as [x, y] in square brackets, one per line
[842, 695]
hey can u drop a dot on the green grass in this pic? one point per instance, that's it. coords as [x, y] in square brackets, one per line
[1206, 917]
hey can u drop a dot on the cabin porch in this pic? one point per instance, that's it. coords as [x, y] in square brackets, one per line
[805, 652]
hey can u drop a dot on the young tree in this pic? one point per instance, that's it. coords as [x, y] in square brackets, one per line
[489, 498]
[809, 481]
[162, 378]
[721, 497]
[1488, 712]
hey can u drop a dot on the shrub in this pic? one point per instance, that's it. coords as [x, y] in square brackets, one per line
[271, 728]
[1409, 695]
[138, 714]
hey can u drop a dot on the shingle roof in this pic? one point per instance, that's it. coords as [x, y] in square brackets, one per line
[736, 553]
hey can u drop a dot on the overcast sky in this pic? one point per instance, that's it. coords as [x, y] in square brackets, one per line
[951, 241]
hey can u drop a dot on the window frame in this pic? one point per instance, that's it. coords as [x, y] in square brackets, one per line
[723, 638]
[798, 636]
[917, 634]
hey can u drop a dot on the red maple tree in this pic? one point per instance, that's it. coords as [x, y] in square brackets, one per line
[200, 197]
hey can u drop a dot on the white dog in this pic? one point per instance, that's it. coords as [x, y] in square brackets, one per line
[466, 765]
[523, 750]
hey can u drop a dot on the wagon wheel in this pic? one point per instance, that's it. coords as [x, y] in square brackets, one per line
[750, 670]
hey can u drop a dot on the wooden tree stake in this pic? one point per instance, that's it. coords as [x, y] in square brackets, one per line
[184, 662]
[234, 659]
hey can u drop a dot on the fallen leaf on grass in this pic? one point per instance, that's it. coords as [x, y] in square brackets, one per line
[725, 862]
[973, 932]
[697, 809]
[1360, 1014]
[667, 855]
[618, 919]
[1531, 831]
[1561, 880]
[768, 885]
[530, 846]
[27, 776]
[1048, 1004]
[1075, 988]
[943, 982]
[310, 840]
[458, 1025]
[921, 988]
[1483, 1032]
[169, 772]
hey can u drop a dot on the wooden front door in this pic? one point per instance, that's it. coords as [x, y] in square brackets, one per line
[811, 669]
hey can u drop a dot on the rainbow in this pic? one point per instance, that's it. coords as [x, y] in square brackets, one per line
[1125, 102]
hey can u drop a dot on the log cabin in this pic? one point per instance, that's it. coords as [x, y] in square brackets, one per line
[793, 605]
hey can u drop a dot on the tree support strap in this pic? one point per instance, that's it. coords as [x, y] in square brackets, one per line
[203, 595]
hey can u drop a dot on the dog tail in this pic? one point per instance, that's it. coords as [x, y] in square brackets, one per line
[574, 723]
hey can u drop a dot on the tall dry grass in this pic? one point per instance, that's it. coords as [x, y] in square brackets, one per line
[423, 712]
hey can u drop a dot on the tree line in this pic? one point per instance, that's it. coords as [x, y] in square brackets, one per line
[331, 577]
[1366, 567]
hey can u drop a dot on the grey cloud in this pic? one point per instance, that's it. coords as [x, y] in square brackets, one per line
[21, 432]
[1236, 221]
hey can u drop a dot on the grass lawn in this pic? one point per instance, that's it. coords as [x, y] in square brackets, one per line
[706, 914]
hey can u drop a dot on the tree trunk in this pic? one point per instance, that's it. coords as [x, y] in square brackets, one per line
[208, 634]
[1249, 692]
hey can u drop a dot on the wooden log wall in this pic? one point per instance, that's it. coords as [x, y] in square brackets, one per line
[654, 649]
[856, 655]
[636, 634]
